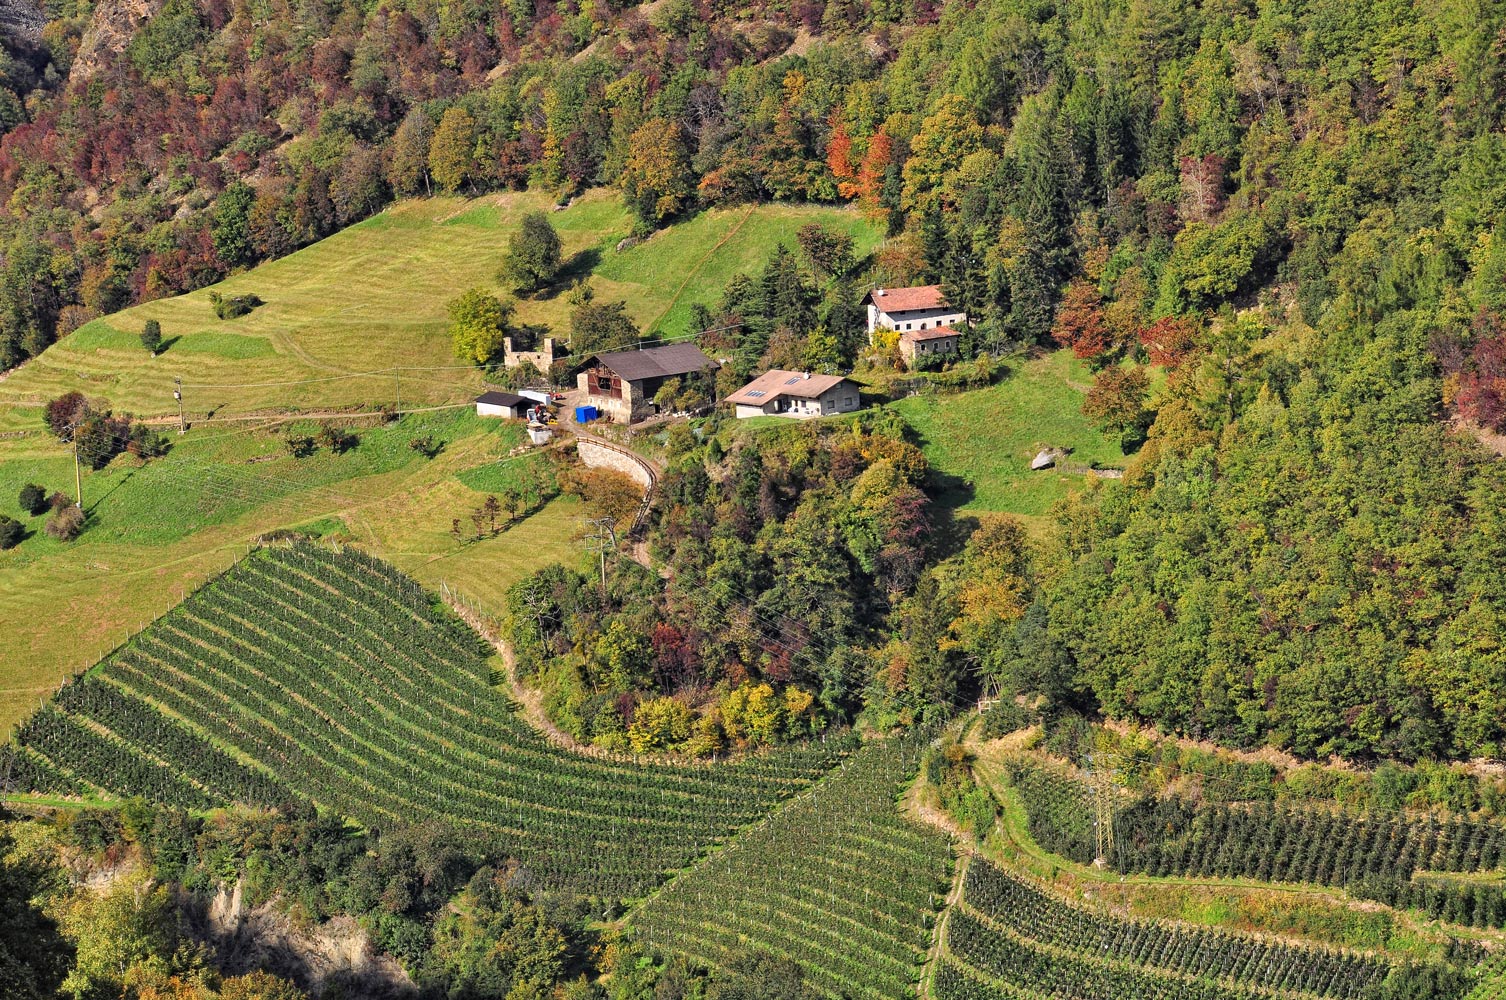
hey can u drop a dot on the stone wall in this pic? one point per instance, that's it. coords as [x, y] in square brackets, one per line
[598, 455]
[542, 360]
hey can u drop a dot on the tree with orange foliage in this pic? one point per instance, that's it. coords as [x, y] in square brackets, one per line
[1080, 323]
[1171, 341]
[839, 159]
[871, 174]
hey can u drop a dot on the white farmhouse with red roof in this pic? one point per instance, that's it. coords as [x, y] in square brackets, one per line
[920, 315]
[910, 310]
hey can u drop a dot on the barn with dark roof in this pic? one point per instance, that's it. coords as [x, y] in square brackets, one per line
[622, 384]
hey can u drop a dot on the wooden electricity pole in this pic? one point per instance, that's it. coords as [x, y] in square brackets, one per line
[78, 476]
[178, 395]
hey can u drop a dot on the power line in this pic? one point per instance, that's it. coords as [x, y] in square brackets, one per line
[333, 378]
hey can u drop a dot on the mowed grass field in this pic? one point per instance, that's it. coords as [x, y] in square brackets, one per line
[372, 298]
[984, 440]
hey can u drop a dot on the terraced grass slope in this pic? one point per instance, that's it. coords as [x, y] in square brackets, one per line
[837, 880]
[333, 674]
[1010, 937]
[372, 298]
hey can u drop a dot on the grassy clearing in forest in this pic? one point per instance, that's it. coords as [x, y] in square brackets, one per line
[985, 439]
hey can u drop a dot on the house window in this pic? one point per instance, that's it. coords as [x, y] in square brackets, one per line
[846, 400]
[922, 326]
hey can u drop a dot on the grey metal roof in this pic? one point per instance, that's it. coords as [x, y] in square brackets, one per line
[656, 362]
[495, 398]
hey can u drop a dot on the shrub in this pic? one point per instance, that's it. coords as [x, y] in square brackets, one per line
[428, 446]
[236, 305]
[33, 499]
[151, 336]
[143, 442]
[337, 439]
[66, 523]
[66, 412]
[11, 532]
[301, 445]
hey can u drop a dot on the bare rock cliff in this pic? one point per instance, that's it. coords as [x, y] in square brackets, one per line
[114, 24]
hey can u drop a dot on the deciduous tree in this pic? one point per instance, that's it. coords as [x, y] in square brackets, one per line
[452, 154]
[656, 179]
[407, 167]
[533, 253]
[478, 322]
[1117, 398]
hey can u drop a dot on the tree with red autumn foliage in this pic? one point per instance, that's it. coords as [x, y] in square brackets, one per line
[1170, 342]
[1475, 373]
[1080, 323]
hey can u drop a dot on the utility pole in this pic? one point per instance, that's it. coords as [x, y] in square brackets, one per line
[1101, 781]
[78, 476]
[178, 395]
[604, 531]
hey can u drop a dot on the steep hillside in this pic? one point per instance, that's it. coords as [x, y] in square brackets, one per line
[372, 299]
[305, 673]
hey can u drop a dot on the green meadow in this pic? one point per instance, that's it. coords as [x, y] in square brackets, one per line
[983, 441]
[372, 298]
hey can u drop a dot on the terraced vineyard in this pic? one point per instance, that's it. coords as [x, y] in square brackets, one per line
[1379, 857]
[334, 674]
[838, 880]
[1010, 937]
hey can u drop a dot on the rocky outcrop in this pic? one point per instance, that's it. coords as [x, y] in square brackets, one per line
[336, 955]
[21, 21]
[114, 24]
[1047, 457]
